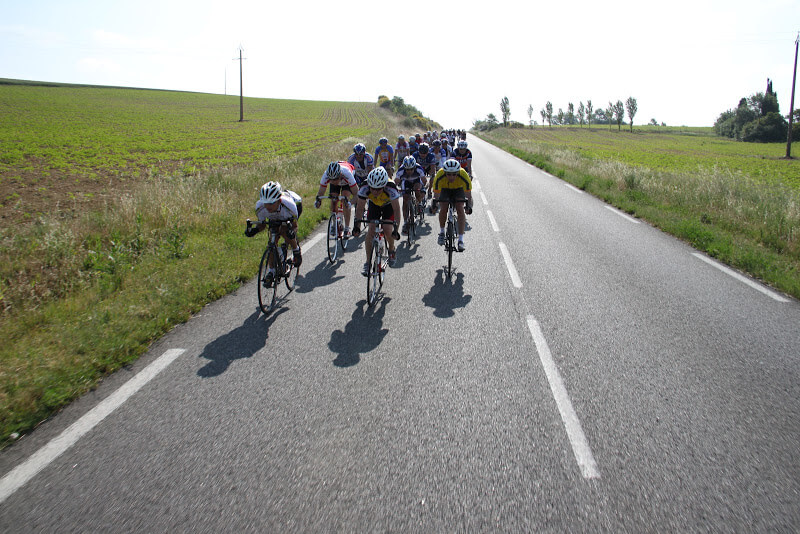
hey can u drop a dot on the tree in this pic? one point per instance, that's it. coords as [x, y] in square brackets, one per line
[756, 119]
[619, 113]
[581, 113]
[570, 116]
[653, 122]
[505, 110]
[543, 113]
[530, 115]
[631, 106]
[589, 116]
[549, 108]
[560, 116]
[609, 113]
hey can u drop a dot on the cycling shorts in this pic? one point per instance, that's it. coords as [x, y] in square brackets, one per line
[410, 184]
[338, 189]
[380, 212]
[452, 195]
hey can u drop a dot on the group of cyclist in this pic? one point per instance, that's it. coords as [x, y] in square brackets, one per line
[426, 165]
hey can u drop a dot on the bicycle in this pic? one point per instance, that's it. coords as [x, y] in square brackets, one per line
[450, 244]
[413, 213]
[336, 226]
[379, 260]
[284, 268]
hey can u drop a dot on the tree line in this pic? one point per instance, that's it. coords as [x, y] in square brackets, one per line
[614, 113]
[757, 119]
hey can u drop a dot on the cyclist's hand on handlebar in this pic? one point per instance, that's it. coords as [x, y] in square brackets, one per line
[317, 203]
[356, 230]
[468, 209]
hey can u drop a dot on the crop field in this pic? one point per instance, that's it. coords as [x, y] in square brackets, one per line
[122, 213]
[67, 144]
[663, 149]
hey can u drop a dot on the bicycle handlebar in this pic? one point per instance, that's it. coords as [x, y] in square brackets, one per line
[376, 221]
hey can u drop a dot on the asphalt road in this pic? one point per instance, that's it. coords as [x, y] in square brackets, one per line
[581, 372]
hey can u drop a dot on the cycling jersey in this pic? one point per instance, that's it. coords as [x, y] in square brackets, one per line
[425, 161]
[345, 176]
[287, 210]
[461, 181]
[361, 168]
[465, 158]
[414, 175]
[384, 154]
[401, 151]
[385, 196]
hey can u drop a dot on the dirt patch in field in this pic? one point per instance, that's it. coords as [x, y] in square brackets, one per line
[27, 195]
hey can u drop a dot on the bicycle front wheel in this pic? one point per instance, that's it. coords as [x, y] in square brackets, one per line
[333, 238]
[373, 278]
[267, 289]
[449, 247]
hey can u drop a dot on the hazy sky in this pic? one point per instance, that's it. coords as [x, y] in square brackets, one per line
[684, 61]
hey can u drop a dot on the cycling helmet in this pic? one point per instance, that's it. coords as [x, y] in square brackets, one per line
[360, 148]
[333, 170]
[423, 149]
[462, 144]
[377, 178]
[409, 162]
[383, 141]
[437, 143]
[271, 192]
[451, 165]
[401, 137]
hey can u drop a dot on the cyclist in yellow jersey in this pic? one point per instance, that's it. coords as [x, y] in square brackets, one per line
[453, 184]
[384, 203]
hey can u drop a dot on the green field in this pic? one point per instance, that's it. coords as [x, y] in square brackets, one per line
[122, 213]
[663, 149]
[738, 202]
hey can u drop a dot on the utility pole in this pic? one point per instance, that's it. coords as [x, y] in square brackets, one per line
[241, 86]
[791, 104]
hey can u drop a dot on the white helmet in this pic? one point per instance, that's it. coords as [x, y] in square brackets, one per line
[462, 144]
[409, 163]
[333, 170]
[271, 192]
[451, 165]
[377, 178]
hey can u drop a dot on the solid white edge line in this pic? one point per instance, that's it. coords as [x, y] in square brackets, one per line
[21, 474]
[623, 215]
[573, 188]
[515, 279]
[492, 221]
[737, 276]
[580, 447]
[484, 199]
[314, 240]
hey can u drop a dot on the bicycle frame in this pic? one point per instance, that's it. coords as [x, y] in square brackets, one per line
[379, 260]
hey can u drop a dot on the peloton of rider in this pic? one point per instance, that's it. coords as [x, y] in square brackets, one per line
[277, 205]
[339, 175]
[453, 184]
[384, 203]
[410, 177]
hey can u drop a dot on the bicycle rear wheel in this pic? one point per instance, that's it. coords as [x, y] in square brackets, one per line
[333, 238]
[412, 222]
[267, 292]
[291, 274]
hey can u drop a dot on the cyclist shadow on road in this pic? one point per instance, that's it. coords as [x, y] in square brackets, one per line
[362, 334]
[446, 295]
[324, 274]
[241, 342]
